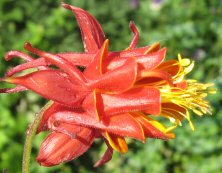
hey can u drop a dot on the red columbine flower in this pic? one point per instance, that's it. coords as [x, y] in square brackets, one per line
[113, 98]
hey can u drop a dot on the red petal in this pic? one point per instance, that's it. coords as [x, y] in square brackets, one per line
[58, 147]
[118, 80]
[137, 99]
[95, 69]
[122, 124]
[147, 62]
[92, 32]
[52, 84]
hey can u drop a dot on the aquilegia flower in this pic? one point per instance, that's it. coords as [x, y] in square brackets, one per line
[117, 95]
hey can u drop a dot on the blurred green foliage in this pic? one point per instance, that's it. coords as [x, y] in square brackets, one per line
[192, 28]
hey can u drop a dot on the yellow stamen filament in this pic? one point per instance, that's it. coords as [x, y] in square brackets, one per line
[193, 97]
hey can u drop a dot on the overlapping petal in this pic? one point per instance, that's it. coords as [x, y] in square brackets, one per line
[118, 80]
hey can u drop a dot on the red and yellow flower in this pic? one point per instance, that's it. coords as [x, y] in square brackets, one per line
[117, 95]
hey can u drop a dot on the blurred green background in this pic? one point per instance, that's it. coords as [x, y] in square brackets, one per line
[192, 28]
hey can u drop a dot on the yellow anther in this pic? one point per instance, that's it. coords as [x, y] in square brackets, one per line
[198, 112]
[189, 68]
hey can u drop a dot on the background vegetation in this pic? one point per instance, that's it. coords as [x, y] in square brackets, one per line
[192, 28]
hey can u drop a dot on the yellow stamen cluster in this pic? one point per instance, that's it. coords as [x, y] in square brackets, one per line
[193, 97]
[190, 98]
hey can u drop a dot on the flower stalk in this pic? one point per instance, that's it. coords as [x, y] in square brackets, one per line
[30, 134]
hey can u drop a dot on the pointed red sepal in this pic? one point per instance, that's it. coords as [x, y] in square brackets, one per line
[95, 69]
[52, 84]
[105, 158]
[92, 32]
[152, 128]
[61, 62]
[122, 124]
[117, 81]
[58, 147]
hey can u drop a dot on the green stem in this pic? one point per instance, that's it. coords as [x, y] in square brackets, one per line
[29, 138]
